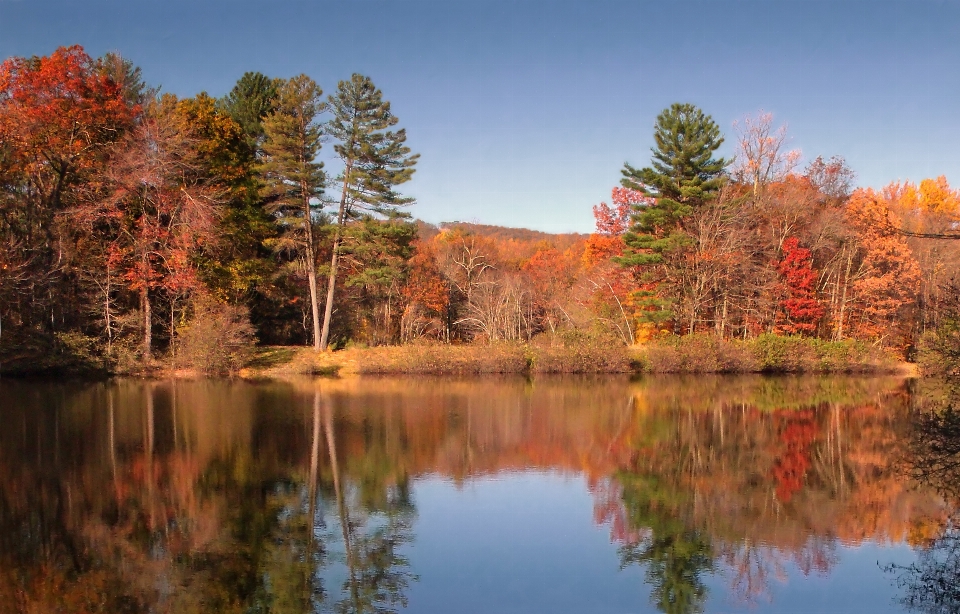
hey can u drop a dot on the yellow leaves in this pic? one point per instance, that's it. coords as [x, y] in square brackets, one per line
[937, 197]
[931, 197]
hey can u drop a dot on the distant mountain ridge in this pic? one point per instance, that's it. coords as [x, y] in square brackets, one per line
[561, 241]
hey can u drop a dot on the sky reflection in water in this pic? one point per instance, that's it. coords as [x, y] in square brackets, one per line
[486, 495]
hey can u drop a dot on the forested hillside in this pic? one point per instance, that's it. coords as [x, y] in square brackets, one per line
[137, 227]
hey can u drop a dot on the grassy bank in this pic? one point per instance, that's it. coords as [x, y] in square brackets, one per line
[691, 354]
[696, 354]
[442, 359]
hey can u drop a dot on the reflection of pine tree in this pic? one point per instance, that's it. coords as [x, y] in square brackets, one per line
[676, 556]
[377, 573]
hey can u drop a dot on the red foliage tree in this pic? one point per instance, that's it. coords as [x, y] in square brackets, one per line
[611, 223]
[59, 115]
[803, 309]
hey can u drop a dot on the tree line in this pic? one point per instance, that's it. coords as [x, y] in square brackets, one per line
[697, 244]
[136, 224]
[137, 219]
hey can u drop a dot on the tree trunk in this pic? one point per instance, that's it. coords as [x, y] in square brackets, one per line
[331, 289]
[341, 503]
[843, 297]
[147, 323]
[335, 260]
[312, 275]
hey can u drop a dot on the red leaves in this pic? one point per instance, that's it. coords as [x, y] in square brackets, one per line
[799, 431]
[614, 221]
[802, 307]
[60, 113]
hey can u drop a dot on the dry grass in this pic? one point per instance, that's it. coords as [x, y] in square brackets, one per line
[442, 359]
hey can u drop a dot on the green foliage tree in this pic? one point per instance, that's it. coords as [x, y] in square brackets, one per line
[293, 179]
[375, 160]
[683, 175]
[252, 99]
[683, 168]
[377, 251]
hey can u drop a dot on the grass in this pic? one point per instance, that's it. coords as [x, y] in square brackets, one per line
[690, 354]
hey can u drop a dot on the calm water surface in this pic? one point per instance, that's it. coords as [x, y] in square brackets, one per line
[494, 495]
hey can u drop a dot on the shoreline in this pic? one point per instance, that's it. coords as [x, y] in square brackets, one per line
[691, 355]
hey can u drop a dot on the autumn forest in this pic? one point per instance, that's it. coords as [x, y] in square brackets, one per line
[140, 229]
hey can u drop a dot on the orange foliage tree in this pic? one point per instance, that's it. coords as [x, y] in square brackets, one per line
[888, 275]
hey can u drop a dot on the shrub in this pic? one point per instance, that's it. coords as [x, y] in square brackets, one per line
[767, 353]
[938, 353]
[217, 339]
[570, 353]
[33, 352]
[439, 358]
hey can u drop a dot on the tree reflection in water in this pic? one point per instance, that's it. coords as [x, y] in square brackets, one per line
[299, 497]
[932, 583]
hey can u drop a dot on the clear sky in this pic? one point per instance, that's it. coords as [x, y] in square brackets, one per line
[524, 111]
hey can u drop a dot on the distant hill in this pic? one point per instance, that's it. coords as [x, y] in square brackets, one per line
[561, 241]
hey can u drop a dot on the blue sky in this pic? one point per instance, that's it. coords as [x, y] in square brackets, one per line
[524, 111]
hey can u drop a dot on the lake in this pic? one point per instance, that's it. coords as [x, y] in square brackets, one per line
[486, 495]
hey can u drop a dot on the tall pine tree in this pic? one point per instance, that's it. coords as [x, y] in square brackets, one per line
[252, 98]
[683, 175]
[375, 160]
[293, 179]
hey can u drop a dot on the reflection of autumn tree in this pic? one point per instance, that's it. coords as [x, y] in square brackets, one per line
[932, 583]
[797, 433]
[763, 480]
[235, 497]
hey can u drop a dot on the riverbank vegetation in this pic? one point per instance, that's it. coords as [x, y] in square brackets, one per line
[141, 231]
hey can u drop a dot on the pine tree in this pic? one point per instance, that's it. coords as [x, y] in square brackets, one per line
[375, 160]
[683, 175]
[294, 180]
[252, 99]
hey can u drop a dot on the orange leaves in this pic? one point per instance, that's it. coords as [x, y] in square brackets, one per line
[60, 111]
[932, 196]
[425, 284]
[889, 275]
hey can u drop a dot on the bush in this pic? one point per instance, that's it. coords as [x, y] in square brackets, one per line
[571, 353]
[218, 339]
[767, 353]
[697, 354]
[938, 353]
[33, 352]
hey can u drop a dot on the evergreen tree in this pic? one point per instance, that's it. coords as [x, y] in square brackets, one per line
[293, 179]
[252, 99]
[375, 160]
[683, 168]
[129, 77]
[683, 176]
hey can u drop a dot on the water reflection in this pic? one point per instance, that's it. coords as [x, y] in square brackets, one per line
[932, 583]
[216, 496]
